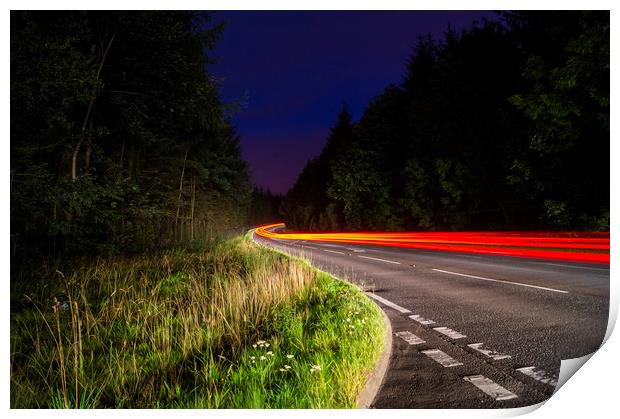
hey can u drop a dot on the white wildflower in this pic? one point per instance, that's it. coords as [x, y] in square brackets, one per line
[262, 358]
[289, 356]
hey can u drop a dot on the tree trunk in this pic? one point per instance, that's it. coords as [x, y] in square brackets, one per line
[89, 145]
[120, 172]
[91, 104]
[176, 220]
[193, 205]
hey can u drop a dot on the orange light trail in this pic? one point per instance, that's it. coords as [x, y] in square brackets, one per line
[571, 247]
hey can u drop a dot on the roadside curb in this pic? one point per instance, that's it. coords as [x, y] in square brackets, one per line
[374, 382]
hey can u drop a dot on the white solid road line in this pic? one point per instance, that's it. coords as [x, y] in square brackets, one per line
[490, 387]
[410, 338]
[442, 358]
[334, 251]
[539, 375]
[500, 281]
[421, 320]
[381, 260]
[488, 352]
[388, 303]
[452, 334]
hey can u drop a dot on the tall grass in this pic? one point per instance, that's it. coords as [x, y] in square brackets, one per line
[231, 325]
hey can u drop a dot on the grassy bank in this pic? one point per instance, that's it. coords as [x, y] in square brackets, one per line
[227, 325]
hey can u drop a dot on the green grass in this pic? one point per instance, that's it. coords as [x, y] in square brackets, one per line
[231, 325]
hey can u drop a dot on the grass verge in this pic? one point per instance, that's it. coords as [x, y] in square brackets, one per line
[231, 325]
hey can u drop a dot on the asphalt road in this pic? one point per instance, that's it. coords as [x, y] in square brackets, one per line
[471, 331]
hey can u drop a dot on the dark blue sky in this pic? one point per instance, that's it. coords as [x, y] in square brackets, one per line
[295, 70]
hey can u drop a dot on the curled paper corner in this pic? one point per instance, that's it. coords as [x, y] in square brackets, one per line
[613, 316]
[519, 411]
[569, 367]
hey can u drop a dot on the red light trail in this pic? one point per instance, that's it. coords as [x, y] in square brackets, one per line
[571, 247]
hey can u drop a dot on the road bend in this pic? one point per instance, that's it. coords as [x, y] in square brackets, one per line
[471, 331]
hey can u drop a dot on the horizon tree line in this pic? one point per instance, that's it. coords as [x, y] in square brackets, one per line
[502, 126]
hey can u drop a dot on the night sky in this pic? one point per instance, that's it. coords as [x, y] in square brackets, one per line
[293, 71]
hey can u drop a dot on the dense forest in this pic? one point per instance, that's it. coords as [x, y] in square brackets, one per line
[119, 139]
[502, 126]
[264, 207]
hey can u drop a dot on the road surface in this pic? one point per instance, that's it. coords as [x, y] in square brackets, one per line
[471, 331]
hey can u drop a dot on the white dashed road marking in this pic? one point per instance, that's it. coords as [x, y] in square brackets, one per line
[569, 266]
[488, 352]
[490, 387]
[332, 245]
[500, 281]
[452, 334]
[421, 320]
[334, 251]
[388, 303]
[539, 375]
[410, 338]
[442, 358]
[381, 260]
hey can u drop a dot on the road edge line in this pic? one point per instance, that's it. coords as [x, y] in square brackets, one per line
[374, 382]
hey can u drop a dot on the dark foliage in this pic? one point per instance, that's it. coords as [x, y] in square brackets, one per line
[503, 126]
[118, 137]
[264, 207]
